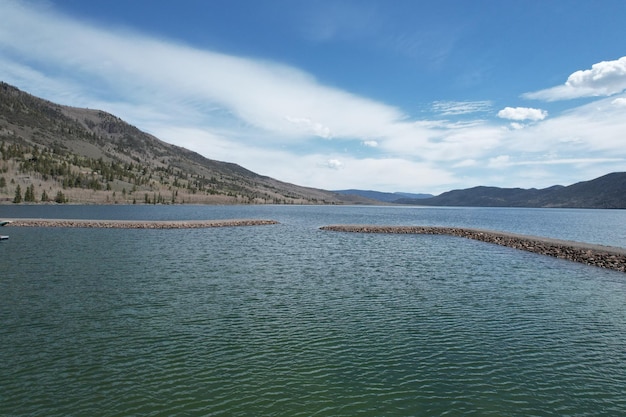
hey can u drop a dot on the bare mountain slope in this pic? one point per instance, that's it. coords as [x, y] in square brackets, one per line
[91, 156]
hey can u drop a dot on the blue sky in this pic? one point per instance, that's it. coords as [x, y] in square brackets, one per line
[414, 96]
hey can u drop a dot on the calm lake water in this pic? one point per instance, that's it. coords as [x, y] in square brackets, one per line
[288, 320]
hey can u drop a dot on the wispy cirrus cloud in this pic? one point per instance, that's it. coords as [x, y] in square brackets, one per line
[281, 121]
[267, 95]
[596, 127]
[503, 161]
[321, 22]
[453, 108]
[605, 78]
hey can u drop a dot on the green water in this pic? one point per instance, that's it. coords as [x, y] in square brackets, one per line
[288, 320]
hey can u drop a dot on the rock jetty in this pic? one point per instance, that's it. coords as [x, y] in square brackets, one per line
[590, 254]
[138, 224]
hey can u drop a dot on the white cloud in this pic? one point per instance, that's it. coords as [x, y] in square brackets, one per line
[499, 161]
[449, 108]
[572, 161]
[522, 113]
[383, 174]
[266, 95]
[595, 127]
[466, 163]
[621, 101]
[311, 127]
[603, 79]
[268, 117]
[333, 164]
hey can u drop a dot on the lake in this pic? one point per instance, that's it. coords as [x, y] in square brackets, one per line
[288, 320]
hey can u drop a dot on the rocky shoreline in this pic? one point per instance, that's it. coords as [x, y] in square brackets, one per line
[138, 224]
[590, 254]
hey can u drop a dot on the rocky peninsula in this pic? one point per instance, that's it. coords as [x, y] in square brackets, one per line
[138, 224]
[596, 255]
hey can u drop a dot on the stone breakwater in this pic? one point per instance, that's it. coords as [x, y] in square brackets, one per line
[138, 224]
[590, 254]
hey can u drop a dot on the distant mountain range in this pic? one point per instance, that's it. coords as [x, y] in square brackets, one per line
[382, 196]
[606, 192]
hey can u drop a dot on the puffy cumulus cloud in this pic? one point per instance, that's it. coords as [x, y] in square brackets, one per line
[605, 78]
[522, 113]
[451, 108]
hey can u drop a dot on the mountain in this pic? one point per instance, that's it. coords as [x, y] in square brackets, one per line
[381, 196]
[608, 191]
[51, 152]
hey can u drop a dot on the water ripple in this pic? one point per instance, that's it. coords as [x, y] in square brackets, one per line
[289, 322]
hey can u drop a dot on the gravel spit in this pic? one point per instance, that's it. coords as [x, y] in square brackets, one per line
[596, 255]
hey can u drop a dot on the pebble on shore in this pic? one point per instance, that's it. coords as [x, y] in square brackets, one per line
[590, 254]
[138, 224]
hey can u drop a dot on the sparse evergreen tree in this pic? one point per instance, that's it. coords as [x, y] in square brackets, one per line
[18, 195]
[29, 195]
[3, 182]
[44, 196]
[60, 198]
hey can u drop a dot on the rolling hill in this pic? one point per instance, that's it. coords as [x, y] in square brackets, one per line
[606, 192]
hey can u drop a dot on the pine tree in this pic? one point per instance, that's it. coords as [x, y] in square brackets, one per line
[18, 195]
[60, 198]
[29, 196]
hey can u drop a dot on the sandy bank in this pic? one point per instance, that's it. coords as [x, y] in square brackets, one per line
[590, 254]
[138, 224]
